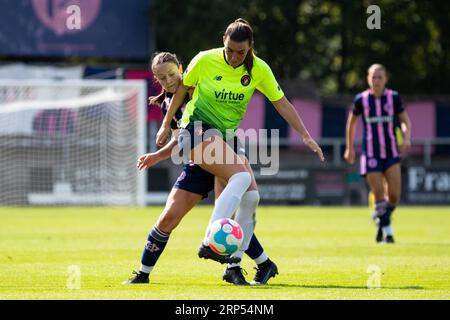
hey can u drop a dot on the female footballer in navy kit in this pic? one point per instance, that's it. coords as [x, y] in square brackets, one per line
[380, 160]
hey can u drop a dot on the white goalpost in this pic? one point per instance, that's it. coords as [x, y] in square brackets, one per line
[72, 142]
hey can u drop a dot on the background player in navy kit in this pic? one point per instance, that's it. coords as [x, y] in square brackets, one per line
[192, 186]
[399, 138]
[380, 159]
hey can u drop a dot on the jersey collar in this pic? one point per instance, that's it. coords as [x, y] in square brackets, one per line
[225, 59]
[382, 95]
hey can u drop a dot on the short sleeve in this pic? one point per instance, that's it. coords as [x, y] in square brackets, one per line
[191, 74]
[174, 123]
[176, 117]
[398, 103]
[269, 85]
[357, 105]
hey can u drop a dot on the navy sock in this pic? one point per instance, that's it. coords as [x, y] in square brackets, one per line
[254, 248]
[390, 208]
[156, 242]
[385, 220]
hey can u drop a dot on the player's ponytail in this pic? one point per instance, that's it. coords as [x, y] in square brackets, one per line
[239, 31]
[157, 59]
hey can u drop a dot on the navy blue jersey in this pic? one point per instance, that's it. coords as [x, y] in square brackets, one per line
[165, 105]
[378, 116]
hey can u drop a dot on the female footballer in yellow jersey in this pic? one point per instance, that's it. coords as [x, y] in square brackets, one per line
[191, 187]
[224, 79]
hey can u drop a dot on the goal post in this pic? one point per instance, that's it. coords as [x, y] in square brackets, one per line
[72, 142]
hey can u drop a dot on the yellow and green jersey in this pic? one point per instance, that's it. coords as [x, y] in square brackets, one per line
[222, 93]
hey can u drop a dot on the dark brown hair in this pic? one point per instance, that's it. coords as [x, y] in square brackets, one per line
[157, 59]
[239, 31]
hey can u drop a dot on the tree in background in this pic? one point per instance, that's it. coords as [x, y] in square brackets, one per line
[327, 42]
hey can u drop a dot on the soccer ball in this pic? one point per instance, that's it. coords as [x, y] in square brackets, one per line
[225, 236]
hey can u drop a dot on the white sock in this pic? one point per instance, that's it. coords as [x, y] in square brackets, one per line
[388, 230]
[230, 198]
[262, 258]
[145, 269]
[246, 216]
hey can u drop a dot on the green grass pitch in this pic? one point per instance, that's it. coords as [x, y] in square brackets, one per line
[321, 253]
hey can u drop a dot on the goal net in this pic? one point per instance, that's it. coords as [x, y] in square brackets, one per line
[72, 142]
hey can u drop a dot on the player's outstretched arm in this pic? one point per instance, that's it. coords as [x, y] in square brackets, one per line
[288, 112]
[148, 160]
[350, 129]
[175, 103]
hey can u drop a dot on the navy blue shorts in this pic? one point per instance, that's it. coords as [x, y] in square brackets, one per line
[368, 165]
[193, 178]
[196, 180]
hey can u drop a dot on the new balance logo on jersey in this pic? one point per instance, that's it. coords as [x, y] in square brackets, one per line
[222, 95]
[218, 78]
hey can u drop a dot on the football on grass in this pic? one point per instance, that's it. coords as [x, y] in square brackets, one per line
[225, 236]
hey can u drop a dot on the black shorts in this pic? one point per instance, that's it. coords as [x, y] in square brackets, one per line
[195, 180]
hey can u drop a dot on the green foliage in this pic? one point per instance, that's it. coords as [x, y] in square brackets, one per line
[326, 41]
[187, 27]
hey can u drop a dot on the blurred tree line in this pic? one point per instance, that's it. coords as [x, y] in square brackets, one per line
[326, 42]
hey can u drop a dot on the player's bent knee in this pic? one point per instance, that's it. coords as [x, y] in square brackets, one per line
[168, 221]
[242, 177]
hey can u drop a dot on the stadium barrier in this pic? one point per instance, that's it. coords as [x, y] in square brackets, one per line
[303, 180]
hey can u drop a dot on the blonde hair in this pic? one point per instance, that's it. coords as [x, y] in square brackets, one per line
[375, 67]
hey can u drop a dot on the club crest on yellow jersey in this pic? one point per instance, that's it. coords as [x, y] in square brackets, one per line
[245, 80]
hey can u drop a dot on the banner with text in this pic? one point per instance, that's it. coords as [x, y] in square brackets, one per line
[425, 185]
[311, 186]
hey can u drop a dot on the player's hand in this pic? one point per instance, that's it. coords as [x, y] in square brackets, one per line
[148, 160]
[349, 155]
[162, 135]
[404, 148]
[314, 147]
